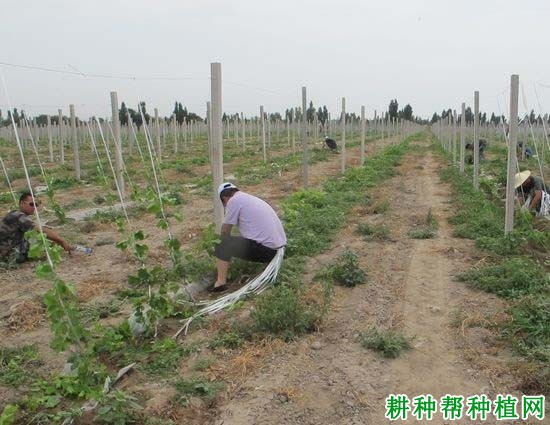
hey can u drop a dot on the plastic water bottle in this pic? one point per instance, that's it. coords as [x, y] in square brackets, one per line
[82, 248]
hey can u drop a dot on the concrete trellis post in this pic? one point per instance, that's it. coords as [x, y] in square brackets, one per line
[75, 143]
[157, 134]
[343, 125]
[60, 134]
[217, 145]
[209, 128]
[50, 142]
[293, 131]
[263, 133]
[268, 119]
[476, 139]
[305, 171]
[316, 125]
[236, 125]
[510, 195]
[288, 130]
[243, 123]
[462, 137]
[454, 137]
[132, 135]
[363, 125]
[175, 125]
[117, 142]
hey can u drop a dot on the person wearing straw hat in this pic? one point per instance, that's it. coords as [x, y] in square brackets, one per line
[14, 226]
[262, 232]
[532, 192]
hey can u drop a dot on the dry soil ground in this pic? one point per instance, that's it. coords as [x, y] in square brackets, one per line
[327, 377]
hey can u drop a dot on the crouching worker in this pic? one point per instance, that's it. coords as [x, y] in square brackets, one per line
[262, 232]
[532, 193]
[331, 144]
[14, 226]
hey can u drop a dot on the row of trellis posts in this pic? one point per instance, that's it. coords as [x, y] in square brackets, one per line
[453, 139]
[74, 133]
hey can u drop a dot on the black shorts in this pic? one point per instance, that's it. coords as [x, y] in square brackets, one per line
[245, 249]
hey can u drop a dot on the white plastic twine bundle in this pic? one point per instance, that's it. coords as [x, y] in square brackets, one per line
[254, 286]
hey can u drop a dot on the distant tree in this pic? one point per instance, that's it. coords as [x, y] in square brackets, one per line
[483, 118]
[435, 118]
[320, 116]
[407, 113]
[123, 114]
[469, 116]
[393, 108]
[310, 112]
[143, 108]
[532, 117]
[16, 116]
[275, 116]
[288, 114]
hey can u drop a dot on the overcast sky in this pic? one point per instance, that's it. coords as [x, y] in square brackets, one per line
[432, 54]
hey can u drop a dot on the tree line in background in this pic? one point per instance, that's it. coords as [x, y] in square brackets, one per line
[494, 119]
[294, 114]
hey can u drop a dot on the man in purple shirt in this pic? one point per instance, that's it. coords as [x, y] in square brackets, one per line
[262, 232]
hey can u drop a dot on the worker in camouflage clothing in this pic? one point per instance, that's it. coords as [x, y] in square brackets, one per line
[14, 226]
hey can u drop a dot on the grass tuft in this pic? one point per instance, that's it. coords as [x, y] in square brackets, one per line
[370, 232]
[345, 270]
[389, 343]
[509, 279]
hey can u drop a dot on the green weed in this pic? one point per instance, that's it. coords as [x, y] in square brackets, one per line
[94, 311]
[345, 270]
[284, 312]
[229, 339]
[381, 207]
[370, 232]
[422, 233]
[387, 342]
[427, 230]
[511, 278]
[8, 414]
[204, 363]
[195, 387]
[529, 328]
[118, 408]
[165, 355]
[18, 364]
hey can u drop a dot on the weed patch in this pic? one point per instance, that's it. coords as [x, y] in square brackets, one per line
[284, 312]
[370, 232]
[389, 343]
[165, 356]
[195, 387]
[427, 230]
[345, 270]
[381, 207]
[510, 279]
[529, 328]
[229, 339]
[17, 365]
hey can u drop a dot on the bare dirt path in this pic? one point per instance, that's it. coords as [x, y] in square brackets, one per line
[328, 378]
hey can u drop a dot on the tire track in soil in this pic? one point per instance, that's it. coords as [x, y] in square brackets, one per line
[327, 377]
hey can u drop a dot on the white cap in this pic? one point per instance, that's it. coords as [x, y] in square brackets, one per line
[224, 186]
